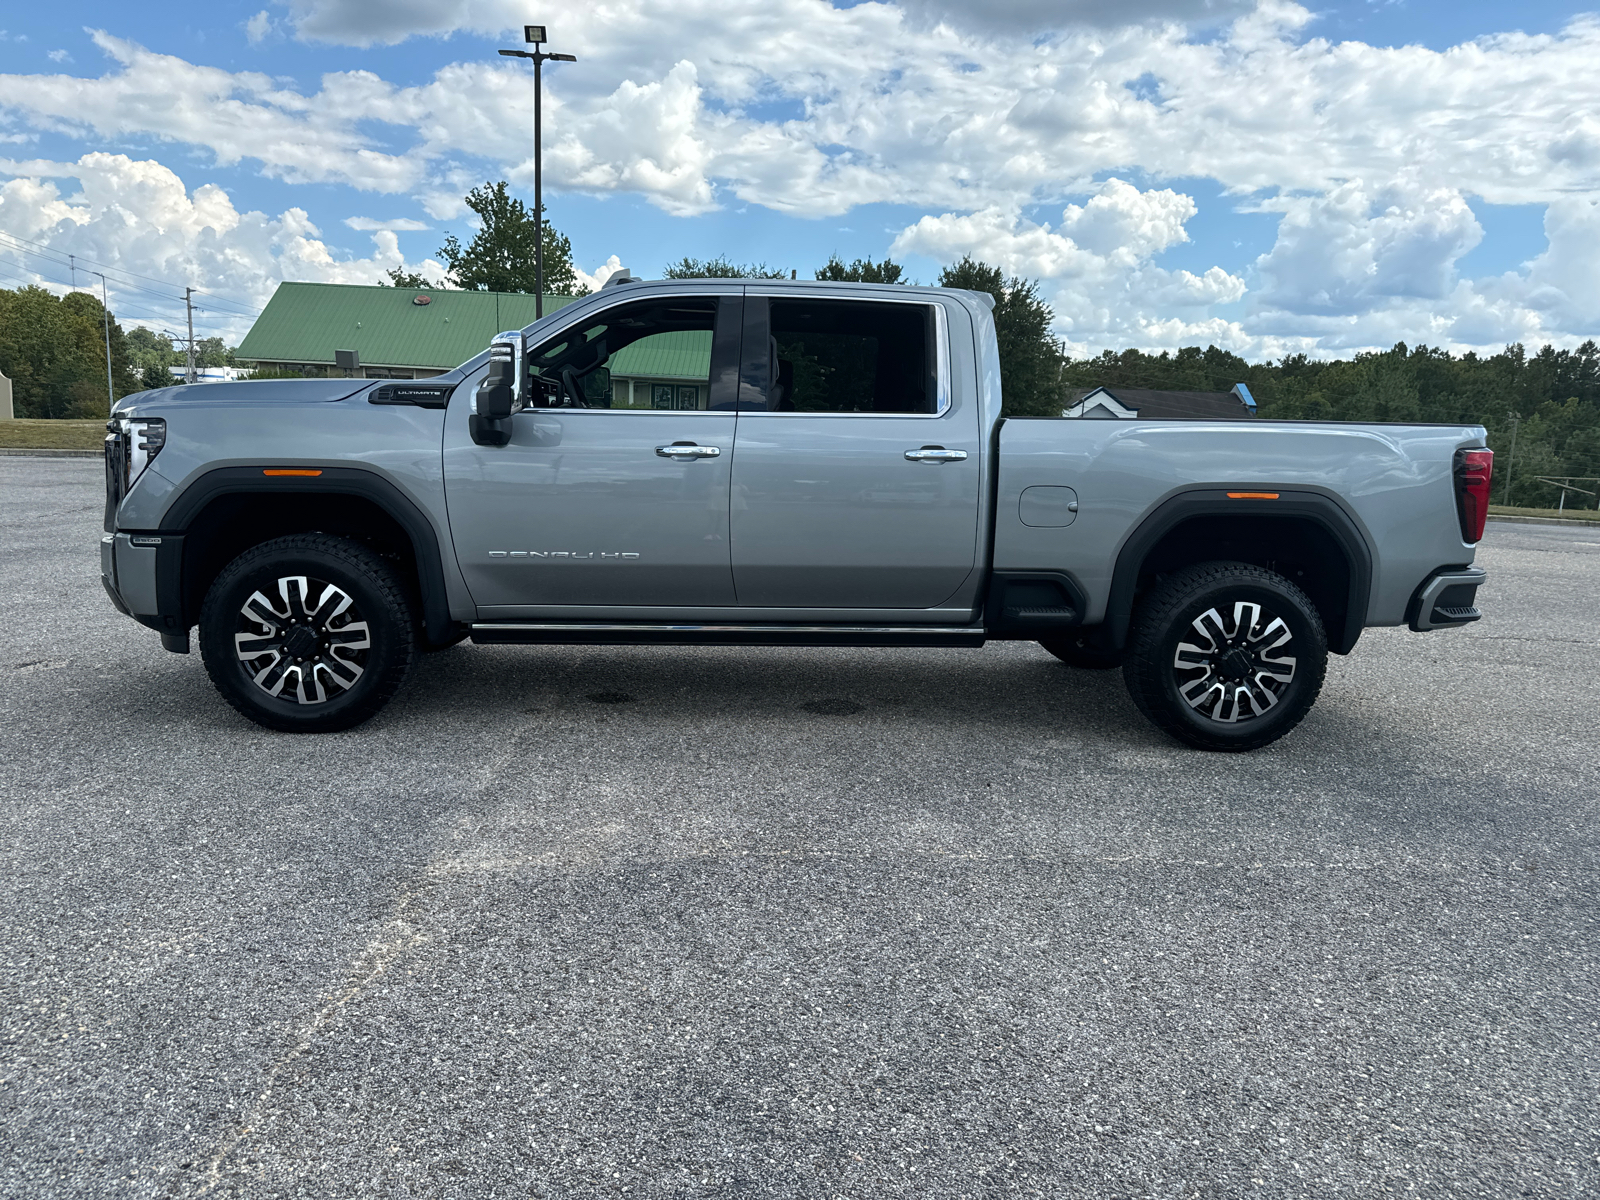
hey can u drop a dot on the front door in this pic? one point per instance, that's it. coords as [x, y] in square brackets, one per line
[857, 484]
[613, 489]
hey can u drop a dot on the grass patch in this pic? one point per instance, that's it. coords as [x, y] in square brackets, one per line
[30, 434]
[1571, 514]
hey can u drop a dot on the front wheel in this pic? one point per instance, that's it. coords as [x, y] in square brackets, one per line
[308, 633]
[1226, 656]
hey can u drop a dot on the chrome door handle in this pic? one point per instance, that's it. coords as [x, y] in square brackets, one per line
[936, 454]
[688, 450]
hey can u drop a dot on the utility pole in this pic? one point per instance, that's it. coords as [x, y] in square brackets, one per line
[1511, 460]
[534, 36]
[105, 308]
[188, 303]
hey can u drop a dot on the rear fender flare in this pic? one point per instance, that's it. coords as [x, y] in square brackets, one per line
[1321, 509]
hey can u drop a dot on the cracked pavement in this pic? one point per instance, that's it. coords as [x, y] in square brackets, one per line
[747, 922]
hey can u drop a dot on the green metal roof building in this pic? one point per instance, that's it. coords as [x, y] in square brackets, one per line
[406, 333]
[399, 333]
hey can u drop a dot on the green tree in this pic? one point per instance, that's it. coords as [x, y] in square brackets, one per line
[1031, 359]
[54, 350]
[156, 377]
[500, 257]
[147, 349]
[401, 278]
[720, 268]
[213, 352]
[862, 270]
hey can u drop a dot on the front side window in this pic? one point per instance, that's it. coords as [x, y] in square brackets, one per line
[653, 355]
[851, 356]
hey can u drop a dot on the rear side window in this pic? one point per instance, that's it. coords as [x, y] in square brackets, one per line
[851, 356]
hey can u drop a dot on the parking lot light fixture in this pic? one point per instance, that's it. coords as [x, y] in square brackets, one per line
[534, 35]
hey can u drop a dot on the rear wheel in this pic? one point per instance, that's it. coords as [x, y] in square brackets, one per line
[1085, 648]
[307, 633]
[1226, 656]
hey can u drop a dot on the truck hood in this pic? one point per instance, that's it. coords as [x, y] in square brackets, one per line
[248, 391]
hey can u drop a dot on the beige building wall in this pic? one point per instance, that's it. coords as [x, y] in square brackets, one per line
[6, 412]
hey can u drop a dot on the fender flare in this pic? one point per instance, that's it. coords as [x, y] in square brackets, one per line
[1323, 510]
[343, 481]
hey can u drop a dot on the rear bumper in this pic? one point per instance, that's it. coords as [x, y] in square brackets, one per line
[1447, 598]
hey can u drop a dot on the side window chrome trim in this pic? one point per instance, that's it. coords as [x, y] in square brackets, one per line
[644, 412]
[941, 363]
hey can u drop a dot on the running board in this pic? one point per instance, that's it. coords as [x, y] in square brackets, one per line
[596, 633]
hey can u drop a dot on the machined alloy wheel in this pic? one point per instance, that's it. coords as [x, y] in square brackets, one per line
[308, 633]
[308, 643]
[1235, 668]
[1225, 656]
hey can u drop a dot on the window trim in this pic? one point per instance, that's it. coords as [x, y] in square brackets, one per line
[594, 314]
[941, 355]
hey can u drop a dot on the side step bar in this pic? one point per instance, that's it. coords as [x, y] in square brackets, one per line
[587, 633]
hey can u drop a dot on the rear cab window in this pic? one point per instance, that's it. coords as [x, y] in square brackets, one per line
[846, 357]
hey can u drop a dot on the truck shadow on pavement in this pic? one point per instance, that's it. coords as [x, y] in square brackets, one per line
[1013, 690]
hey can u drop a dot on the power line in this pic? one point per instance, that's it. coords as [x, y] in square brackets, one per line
[121, 308]
[62, 258]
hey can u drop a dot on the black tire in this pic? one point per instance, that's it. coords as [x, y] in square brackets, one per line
[1084, 648]
[333, 664]
[1239, 698]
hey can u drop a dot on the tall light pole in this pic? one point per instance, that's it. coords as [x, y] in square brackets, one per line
[105, 309]
[534, 36]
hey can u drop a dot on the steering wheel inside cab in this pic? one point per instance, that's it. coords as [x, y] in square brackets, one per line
[572, 378]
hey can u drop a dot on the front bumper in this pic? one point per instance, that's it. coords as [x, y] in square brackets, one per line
[1447, 599]
[140, 576]
[108, 573]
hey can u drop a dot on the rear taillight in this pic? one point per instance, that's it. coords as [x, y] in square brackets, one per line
[1473, 469]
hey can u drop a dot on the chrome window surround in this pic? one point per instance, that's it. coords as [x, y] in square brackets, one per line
[650, 412]
[941, 360]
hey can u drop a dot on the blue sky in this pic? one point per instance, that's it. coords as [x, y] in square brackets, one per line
[1255, 173]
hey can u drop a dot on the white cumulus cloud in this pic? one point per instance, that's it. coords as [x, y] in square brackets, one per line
[138, 218]
[972, 115]
[393, 225]
[1097, 266]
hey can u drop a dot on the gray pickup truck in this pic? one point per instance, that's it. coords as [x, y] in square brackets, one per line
[834, 472]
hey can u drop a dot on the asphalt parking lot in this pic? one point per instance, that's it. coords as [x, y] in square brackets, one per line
[730, 922]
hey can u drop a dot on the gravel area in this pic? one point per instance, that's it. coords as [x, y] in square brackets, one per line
[749, 922]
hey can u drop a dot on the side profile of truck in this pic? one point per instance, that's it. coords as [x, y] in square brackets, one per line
[826, 465]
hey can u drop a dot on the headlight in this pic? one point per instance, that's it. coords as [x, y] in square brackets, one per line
[131, 445]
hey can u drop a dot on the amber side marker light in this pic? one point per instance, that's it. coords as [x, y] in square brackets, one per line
[1252, 495]
[290, 471]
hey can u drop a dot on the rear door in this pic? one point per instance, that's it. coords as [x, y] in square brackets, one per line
[856, 482]
[614, 487]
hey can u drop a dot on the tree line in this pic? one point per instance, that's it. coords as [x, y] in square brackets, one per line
[1546, 402]
[53, 349]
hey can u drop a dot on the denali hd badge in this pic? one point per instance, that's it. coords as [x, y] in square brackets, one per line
[583, 555]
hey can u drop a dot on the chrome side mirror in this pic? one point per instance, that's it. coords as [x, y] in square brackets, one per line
[499, 396]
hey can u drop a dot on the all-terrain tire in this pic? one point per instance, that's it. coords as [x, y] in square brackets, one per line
[1084, 648]
[308, 633]
[1208, 661]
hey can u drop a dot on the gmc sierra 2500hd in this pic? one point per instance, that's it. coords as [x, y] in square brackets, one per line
[771, 463]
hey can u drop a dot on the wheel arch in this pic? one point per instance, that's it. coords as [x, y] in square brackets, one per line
[1306, 532]
[226, 511]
